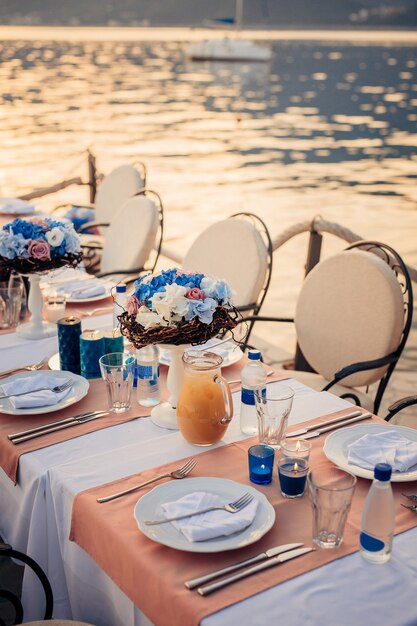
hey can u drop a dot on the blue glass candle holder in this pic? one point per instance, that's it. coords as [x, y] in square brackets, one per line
[292, 473]
[113, 341]
[91, 349]
[69, 331]
[261, 464]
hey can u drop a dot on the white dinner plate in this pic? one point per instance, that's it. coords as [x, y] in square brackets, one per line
[336, 448]
[78, 391]
[229, 351]
[148, 507]
[15, 206]
[108, 286]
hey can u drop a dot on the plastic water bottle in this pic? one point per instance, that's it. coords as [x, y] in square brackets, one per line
[148, 391]
[253, 378]
[378, 517]
[120, 302]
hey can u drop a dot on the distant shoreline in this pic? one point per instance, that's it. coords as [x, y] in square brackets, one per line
[374, 36]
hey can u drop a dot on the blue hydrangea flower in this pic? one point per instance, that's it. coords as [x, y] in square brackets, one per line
[203, 309]
[12, 246]
[217, 288]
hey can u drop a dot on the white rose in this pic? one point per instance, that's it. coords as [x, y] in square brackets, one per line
[54, 236]
[148, 319]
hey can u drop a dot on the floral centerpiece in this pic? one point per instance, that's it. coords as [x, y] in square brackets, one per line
[36, 245]
[175, 307]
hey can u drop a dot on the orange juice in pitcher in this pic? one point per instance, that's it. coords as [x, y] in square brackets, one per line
[204, 407]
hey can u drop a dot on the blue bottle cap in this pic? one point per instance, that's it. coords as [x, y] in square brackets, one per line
[120, 288]
[382, 471]
[254, 355]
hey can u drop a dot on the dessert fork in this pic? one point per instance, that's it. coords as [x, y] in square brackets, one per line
[230, 507]
[179, 473]
[31, 368]
[57, 389]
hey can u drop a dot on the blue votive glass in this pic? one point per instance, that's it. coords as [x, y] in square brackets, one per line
[113, 341]
[261, 464]
[92, 347]
[292, 473]
[69, 331]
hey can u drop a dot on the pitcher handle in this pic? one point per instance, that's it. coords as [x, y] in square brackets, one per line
[227, 395]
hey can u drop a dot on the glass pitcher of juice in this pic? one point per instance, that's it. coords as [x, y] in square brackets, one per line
[204, 407]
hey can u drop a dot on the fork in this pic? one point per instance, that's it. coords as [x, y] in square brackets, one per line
[57, 389]
[179, 473]
[230, 507]
[412, 498]
[94, 311]
[411, 507]
[31, 368]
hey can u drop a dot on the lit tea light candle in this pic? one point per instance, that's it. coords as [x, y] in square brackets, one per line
[299, 449]
[292, 473]
[113, 341]
[55, 308]
[261, 463]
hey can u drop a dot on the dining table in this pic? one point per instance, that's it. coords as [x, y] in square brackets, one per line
[36, 515]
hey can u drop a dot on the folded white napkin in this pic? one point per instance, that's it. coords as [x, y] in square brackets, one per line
[79, 290]
[16, 206]
[208, 525]
[385, 447]
[37, 398]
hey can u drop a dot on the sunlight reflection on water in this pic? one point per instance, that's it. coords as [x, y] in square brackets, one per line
[325, 128]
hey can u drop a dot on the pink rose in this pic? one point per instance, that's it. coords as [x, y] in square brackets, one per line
[195, 294]
[39, 249]
[133, 305]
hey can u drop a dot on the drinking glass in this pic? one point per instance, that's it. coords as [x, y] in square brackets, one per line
[273, 407]
[117, 370]
[10, 305]
[331, 495]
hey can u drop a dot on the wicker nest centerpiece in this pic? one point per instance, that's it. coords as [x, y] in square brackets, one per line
[176, 307]
[36, 245]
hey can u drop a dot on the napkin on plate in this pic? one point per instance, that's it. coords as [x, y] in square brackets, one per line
[385, 447]
[79, 290]
[212, 524]
[36, 398]
[15, 206]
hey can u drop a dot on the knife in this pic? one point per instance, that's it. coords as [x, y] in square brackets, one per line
[277, 560]
[192, 584]
[67, 424]
[334, 420]
[319, 431]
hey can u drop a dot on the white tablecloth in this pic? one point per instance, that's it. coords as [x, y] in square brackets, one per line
[35, 517]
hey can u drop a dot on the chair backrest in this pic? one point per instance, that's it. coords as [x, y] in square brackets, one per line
[131, 235]
[354, 307]
[239, 250]
[118, 186]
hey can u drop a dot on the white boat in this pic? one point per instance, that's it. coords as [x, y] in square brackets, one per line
[229, 48]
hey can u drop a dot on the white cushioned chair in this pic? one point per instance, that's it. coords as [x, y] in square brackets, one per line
[352, 319]
[238, 249]
[133, 237]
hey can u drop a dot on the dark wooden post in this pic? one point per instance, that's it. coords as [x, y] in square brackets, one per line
[92, 176]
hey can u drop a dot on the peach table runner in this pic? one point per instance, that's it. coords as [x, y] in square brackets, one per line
[96, 399]
[153, 575]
